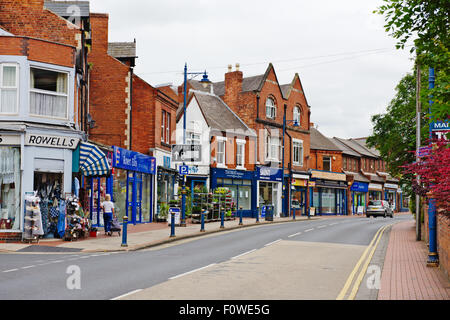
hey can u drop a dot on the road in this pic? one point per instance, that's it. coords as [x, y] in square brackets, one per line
[300, 260]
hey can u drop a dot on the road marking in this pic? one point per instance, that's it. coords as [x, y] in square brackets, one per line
[11, 270]
[295, 234]
[353, 273]
[192, 271]
[57, 261]
[126, 294]
[332, 224]
[270, 243]
[242, 254]
[27, 267]
[320, 227]
[309, 230]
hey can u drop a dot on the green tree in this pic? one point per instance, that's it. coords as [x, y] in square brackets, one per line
[427, 23]
[394, 132]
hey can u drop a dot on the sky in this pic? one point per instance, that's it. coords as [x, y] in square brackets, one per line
[347, 63]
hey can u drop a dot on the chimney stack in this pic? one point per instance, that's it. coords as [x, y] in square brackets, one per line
[233, 86]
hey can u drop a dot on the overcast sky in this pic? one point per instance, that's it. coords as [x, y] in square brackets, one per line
[347, 63]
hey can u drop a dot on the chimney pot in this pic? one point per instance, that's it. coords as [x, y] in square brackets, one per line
[237, 66]
[230, 67]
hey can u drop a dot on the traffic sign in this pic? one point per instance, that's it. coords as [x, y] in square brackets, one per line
[183, 170]
[186, 153]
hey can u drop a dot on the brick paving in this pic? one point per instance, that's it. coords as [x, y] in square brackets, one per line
[405, 274]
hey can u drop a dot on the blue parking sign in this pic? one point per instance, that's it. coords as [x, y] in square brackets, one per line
[184, 170]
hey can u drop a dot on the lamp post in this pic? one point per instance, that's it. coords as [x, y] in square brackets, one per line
[296, 124]
[204, 82]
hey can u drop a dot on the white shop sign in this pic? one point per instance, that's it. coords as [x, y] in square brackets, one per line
[391, 186]
[42, 140]
[9, 140]
[375, 186]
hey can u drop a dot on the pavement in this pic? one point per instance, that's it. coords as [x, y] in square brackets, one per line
[405, 275]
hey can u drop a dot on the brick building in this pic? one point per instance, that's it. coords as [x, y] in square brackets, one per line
[41, 58]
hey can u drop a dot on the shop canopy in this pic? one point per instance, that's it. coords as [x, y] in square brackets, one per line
[93, 162]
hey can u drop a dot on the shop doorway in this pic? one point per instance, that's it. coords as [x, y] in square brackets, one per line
[298, 201]
[268, 195]
[134, 197]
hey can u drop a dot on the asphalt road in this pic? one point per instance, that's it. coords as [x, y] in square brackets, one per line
[111, 275]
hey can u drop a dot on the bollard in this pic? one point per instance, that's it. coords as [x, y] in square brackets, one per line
[222, 216]
[257, 215]
[172, 225]
[124, 232]
[202, 228]
[294, 214]
[240, 217]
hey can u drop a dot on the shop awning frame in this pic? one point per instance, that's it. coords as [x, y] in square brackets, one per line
[93, 161]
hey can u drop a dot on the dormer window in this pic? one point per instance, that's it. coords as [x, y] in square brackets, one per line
[271, 109]
[8, 88]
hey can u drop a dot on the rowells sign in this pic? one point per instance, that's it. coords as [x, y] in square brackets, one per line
[42, 140]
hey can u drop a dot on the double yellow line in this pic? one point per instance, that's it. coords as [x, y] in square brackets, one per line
[372, 247]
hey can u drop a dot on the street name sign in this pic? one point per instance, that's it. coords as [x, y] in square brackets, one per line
[186, 153]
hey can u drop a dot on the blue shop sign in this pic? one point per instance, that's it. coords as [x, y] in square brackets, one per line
[269, 174]
[231, 174]
[359, 187]
[134, 161]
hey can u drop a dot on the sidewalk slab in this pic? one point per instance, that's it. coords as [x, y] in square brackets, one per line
[405, 274]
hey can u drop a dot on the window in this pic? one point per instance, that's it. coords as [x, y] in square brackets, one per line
[221, 145]
[326, 161]
[8, 88]
[271, 109]
[296, 116]
[355, 165]
[345, 163]
[192, 138]
[163, 125]
[273, 148]
[48, 93]
[168, 128]
[240, 153]
[298, 152]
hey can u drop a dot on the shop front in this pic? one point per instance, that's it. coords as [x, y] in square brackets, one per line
[328, 196]
[242, 187]
[375, 191]
[132, 187]
[390, 194]
[299, 194]
[359, 197]
[269, 188]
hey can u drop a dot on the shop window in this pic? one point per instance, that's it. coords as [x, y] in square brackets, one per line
[297, 152]
[8, 89]
[10, 188]
[48, 93]
[271, 109]
[326, 162]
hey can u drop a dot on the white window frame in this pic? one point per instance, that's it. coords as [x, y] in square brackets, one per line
[323, 161]
[2, 87]
[240, 143]
[297, 114]
[163, 125]
[297, 144]
[273, 148]
[271, 110]
[221, 141]
[168, 120]
[191, 139]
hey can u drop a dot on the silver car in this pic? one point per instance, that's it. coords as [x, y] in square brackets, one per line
[379, 208]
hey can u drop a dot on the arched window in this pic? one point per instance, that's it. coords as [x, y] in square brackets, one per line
[296, 116]
[271, 108]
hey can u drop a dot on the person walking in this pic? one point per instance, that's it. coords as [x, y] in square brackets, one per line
[108, 212]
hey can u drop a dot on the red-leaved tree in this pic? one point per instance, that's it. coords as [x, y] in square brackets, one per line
[434, 172]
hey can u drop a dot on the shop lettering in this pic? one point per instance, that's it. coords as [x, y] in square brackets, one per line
[52, 141]
[130, 162]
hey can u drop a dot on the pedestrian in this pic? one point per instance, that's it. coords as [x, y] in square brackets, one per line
[108, 212]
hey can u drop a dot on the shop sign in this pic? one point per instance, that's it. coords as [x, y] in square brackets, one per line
[269, 174]
[232, 174]
[375, 186]
[134, 161]
[440, 126]
[43, 140]
[9, 140]
[299, 182]
[391, 186]
[176, 213]
[359, 187]
[326, 175]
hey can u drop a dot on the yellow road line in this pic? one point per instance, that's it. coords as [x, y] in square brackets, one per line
[353, 273]
[364, 269]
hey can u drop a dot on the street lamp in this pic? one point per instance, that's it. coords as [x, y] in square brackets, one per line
[205, 81]
[296, 124]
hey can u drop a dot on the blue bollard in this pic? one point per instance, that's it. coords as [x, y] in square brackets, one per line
[172, 225]
[240, 217]
[257, 214]
[124, 232]
[202, 228]
[222, 219]
[294, 213]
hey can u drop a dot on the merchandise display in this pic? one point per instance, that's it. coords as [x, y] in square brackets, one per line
[33, 220]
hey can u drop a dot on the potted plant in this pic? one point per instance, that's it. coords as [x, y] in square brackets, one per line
[163, 212]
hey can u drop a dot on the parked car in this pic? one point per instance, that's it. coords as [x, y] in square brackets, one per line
[379, 208]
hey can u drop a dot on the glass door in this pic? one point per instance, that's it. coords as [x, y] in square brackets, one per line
[275, 198]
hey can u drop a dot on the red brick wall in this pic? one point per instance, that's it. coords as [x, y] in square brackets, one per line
[6, 237]
[29, 18]
[316, 160]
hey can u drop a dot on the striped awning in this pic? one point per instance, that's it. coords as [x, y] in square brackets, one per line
[93, 161]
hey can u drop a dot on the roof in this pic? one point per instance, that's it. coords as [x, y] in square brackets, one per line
[357, 176]
[218, 115]
[248, 84]
[355, 146]
[122, 49]
[320, 142]
[363, 142]
[65, 9]
[374, 177]
[344, 148]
